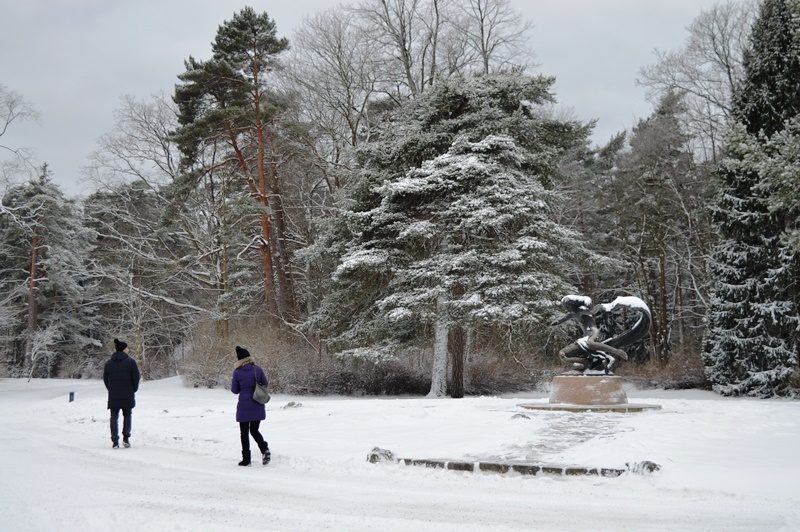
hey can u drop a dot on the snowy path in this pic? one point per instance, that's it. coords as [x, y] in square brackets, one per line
[728, 464]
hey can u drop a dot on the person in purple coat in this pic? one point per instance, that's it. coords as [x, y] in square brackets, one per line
[249, 413]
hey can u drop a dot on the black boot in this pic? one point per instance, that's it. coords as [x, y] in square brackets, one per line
[265, 454]
[245, 458]
[125, 442]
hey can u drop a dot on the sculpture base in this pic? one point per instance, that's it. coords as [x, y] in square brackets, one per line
[588, 390]
[589, 393]
[628, 407]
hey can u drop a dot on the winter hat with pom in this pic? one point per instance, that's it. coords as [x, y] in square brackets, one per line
[119, 345]
[241, 353]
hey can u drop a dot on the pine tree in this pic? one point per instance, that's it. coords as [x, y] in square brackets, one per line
[743, 354]
[781, 173]
[452, 224]
[769, 93]
[224, 104]
[752, 341]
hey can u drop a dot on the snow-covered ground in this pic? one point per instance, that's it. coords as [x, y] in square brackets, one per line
[727, 464]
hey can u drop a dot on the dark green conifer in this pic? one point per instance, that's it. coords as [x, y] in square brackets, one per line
[753, 332]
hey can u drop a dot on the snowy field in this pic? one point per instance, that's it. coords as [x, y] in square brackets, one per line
[728, 464]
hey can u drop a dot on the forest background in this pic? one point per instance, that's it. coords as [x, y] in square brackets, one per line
[393, 201]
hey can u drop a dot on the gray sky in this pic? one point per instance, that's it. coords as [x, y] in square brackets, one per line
[74, 59]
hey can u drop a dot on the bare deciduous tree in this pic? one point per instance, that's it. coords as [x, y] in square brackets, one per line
[139, 146]
[333, 67]
[396, 25]
[13, 108]
[706, 69]
[495, 33]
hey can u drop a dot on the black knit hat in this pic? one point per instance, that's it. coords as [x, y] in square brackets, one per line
[119, 345]
[241, 353]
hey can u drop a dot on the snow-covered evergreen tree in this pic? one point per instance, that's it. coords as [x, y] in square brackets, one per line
[46, 281]
[752, 342]
[225, 104]
[769, 92]
[781, 179]
[453, 224]
[749, 349]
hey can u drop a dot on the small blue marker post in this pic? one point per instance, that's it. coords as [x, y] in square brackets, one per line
[71, 396]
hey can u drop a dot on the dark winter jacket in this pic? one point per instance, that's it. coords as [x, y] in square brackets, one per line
[244, 383]
[121, 376]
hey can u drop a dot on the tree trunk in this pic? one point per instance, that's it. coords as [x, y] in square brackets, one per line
[225, 288]
[259, 191]
[440, 333]
[434, 43]
[643, 280]
[457, 345]
[484, 40]
[266, 245]
[32, 305]
[309, 294]
[266, 262]
[286, 299]
[140, 348]
[680, 310]
[662, 297]
[400, 35]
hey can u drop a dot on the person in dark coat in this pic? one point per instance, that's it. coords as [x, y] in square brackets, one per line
[249, 413]
[121, 377]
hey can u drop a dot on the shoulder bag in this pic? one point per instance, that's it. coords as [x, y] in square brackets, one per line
[260, 394]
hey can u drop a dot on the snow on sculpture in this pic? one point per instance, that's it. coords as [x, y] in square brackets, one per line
[588, 353]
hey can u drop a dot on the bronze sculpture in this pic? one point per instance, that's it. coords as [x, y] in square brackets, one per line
[588, 353]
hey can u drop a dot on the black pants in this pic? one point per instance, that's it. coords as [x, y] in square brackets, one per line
[250, 428]
[126, 423]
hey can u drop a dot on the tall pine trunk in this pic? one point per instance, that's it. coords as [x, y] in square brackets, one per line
[266, 260]
[267, 247]
[258, 189]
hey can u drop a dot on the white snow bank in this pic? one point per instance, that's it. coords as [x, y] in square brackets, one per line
[727, 464]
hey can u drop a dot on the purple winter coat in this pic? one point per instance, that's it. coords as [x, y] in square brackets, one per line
[244, 383]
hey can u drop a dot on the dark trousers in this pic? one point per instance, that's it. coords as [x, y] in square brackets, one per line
[126, 423]
[250, 428]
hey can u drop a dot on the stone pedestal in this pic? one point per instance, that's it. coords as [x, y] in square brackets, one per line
[582, 393]
[588, 390]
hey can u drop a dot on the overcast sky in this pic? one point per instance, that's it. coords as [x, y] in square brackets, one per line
[74, 59]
